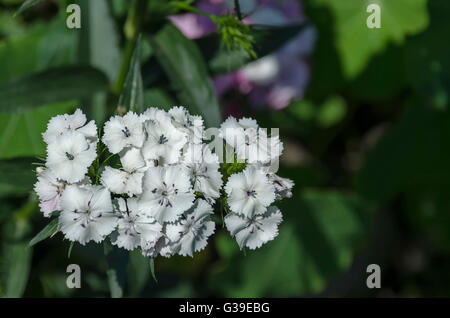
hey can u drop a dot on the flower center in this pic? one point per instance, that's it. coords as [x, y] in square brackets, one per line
[251, 193]
[126, 132]
[69, 156]
[162, 139]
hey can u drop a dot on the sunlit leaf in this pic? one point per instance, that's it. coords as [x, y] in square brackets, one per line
[357, 43]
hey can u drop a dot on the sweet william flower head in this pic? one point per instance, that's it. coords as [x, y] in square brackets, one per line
[70, 155]
[249, 192]
[121, 132]
[87, 214]
[191, 233]
[255, 231]
[167, 193]
[75, 122]
[134, 227]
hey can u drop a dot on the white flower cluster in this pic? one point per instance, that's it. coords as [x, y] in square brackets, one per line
[159, 196]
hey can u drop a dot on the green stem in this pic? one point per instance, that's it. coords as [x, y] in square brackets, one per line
[237, 9]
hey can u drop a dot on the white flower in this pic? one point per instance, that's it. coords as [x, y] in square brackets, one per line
[70, 155]
[49, 190]
[283, 186]
[122, 182]
[132, 160]
[87, 214]
[121, 132]
[161, 247]
[249, 192]
[75, 122]
[164, 142]
[167, 193]
[154, 114]
[135, 228]
[202, 167]
[192, 126]
[191, 233]
[250, 142]
[255, 231]
[127, 180]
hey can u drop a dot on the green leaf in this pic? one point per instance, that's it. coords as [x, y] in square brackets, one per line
[48, 231]
[357, 43]
[16, 261]
[26, 5]
[132, 97]
[317, 241]
[138, 273]
[60, 84]
[187, 71]
[16, 176]
[152, 269]
[114, 287]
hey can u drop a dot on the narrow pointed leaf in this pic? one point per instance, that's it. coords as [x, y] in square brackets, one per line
[46, 232]
[152, 269]
[132, 97]
[70, 250]
[26, 5]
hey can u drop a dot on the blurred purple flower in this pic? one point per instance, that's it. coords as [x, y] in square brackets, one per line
[273, 80]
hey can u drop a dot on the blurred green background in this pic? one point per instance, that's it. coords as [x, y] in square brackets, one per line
[363, 114]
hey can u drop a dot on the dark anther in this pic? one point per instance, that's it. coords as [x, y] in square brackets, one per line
[163, 139]
[69, 156]
[251, 193]
[126, 132]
